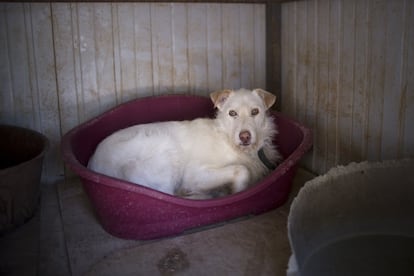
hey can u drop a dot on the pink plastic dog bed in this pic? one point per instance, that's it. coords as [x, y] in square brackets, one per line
[131, 211]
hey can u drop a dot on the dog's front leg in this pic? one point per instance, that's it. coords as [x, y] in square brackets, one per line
[201, 180]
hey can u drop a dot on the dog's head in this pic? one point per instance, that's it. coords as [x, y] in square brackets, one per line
[242, 114]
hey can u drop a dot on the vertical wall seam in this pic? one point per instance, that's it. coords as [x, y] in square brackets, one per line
[59, 108]
[254, 46]
[118, 50]
[339, 78]
[308, 64]
[173, 61]
[136, 69]
[325, 103]
[207, 49]
[75, 40]
[32, 70]
[367, 82]
[114, 52]
[187, 51]
[96, 57]
[316, 82]
[239, 52]
[11, 76]
[295, 61]
[383, 75]
[222, 47]
[152, 47]
[351, 135]
[403, 85]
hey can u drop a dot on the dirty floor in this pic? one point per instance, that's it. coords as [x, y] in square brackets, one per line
[64, 238]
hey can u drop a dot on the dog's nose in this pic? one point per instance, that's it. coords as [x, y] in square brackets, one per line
[245, 137]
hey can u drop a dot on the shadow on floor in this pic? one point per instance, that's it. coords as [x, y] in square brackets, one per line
[64, 238]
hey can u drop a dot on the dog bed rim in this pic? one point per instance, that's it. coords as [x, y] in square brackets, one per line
[84, 173]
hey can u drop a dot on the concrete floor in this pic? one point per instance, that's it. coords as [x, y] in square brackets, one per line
[64, 238]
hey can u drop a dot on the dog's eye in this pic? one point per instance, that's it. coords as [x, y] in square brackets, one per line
[255, 111]
[232, 113]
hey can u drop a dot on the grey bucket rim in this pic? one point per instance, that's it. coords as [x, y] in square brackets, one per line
[352, 167]
[333, 174]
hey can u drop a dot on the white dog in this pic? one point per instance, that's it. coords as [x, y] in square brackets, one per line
[201, 158]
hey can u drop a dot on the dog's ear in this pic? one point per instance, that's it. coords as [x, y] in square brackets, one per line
[219, 97]
[268, 98]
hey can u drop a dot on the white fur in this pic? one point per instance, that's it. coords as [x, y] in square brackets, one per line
[194, 158]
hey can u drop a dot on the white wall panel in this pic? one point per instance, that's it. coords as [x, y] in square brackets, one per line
[63, 63]
[348, 73]
[28, 95]
[43, 82]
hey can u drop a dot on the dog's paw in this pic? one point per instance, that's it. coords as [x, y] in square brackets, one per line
[221, 191]
[241, 178]
[189, 194]
[181, 192]
[218, 192]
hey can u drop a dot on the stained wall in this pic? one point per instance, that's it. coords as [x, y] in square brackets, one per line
[347, 66]
[348, 73]
[64, 63]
